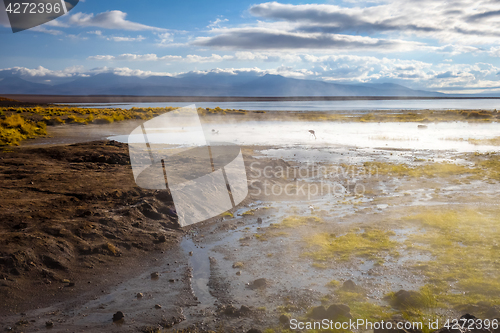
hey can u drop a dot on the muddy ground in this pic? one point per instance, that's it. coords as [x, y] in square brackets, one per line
[74, 213]
[79, 241]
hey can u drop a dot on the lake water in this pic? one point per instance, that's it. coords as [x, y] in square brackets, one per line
[437, 136]
[357, 105]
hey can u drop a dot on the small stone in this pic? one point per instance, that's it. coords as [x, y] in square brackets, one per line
[259, 283]
[118, 316]
[157, 306]
[155, 275]
[191, 253]
[244, 310]
[65, 281]
[284, 319]
[254, 330]
[49, 324]
[259, 220]
[349, 285]
[162, 239]
[139, 295]
[171, 280]
[319, 313]
[230, 310]
[238, 273]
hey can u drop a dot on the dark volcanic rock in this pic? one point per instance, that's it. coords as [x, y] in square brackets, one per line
[284, 319]
[338, 310]
[404, 299]
[259, 283]
[244, 310]
[318, 312]
[118, 316]
[231, 310]
[349, 285]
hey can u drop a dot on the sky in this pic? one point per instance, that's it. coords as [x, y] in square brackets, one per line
[447, 46]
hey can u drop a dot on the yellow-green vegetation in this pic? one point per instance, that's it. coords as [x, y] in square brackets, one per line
[296, 221]
[373, 244]
[478, 142]
[465, 248]
[21, 123]
[55, 115]
[369, 311]
[227, 214]
[361, 308]
[333, 284]
[426, 170]
[218, 110]
[487, 142]
[248, 212]
[485, 166]
[14, 129]
[420, 116]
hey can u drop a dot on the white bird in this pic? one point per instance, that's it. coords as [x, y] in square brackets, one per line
[311, 207]
[313, 133]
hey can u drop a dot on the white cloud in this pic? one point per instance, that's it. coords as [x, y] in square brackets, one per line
[494, 51]
[95, 32]
[126, 39]
[264, 38]
[216, 23]
[191, 58]
[114, 19]
[385, 26]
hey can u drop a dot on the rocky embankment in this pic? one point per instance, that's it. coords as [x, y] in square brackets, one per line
[69, 213]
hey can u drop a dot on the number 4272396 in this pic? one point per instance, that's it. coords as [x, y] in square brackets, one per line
[33, 8]
[471, 324]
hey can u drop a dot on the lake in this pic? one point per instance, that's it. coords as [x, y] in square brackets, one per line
[355, 105]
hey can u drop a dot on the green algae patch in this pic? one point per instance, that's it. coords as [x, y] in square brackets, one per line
[464, 245]
[488, 142]
[426, 170]
[297, 221]
[370, 312]
[372, 244]
[482, 167]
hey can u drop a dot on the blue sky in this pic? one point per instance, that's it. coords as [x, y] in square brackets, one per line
[448, 46]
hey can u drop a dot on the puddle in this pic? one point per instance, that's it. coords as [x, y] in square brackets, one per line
[199, 261]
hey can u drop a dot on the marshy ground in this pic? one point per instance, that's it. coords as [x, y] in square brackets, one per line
[391, 233]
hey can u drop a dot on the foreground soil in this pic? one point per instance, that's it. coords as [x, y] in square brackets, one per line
[69, 214]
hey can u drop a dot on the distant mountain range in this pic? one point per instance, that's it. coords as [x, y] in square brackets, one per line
[211, 84]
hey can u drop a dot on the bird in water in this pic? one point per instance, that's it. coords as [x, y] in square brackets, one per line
[215, 132]
[313, 134]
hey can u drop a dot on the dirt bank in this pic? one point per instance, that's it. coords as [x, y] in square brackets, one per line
[69, 214]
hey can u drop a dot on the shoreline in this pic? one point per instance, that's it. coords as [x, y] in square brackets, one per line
[48, 99]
